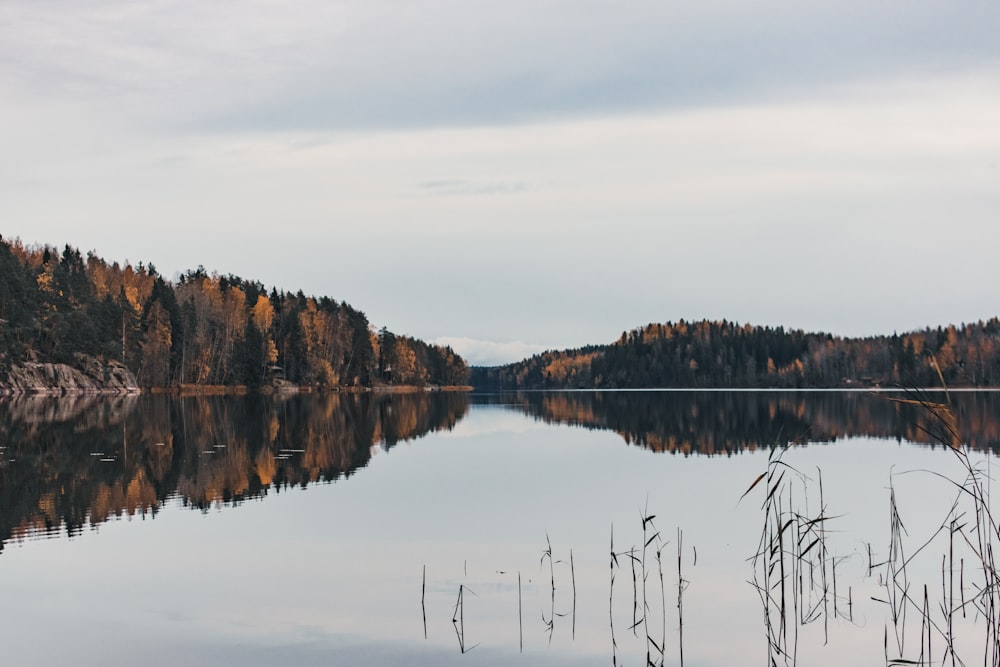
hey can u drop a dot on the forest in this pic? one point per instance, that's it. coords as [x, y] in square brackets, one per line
[727, 354]
[207, 330]
[200, 330]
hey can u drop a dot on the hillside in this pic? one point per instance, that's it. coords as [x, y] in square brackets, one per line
[726, 354]
[63, 315]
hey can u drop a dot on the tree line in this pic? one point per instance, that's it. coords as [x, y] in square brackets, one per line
[726, 354]
[203, 329]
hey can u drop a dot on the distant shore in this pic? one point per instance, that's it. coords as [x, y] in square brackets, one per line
[288, 390]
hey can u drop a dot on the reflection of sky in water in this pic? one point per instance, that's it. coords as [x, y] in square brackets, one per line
[332, 574]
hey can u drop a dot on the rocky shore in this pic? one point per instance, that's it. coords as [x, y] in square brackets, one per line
[87, 376]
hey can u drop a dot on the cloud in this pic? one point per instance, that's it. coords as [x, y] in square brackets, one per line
[460, 187]
[490, 353]
[452, 63]
[308, 65]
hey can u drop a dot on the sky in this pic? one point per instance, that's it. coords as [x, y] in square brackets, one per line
[513, 177]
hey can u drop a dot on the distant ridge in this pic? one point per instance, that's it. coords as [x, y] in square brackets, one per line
[727, 354]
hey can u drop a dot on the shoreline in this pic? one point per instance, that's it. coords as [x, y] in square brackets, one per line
[286, 390]
[228, 390]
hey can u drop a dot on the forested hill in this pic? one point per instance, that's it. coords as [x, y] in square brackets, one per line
[63, 308]
[726, 354]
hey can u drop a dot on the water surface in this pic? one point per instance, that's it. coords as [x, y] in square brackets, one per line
[222, 530]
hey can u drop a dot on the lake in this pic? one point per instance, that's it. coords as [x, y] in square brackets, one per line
[548, 528]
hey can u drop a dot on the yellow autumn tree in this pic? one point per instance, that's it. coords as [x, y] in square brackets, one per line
[262, 315]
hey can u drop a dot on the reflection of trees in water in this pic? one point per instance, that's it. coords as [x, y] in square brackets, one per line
[70, 461]
[730, 422]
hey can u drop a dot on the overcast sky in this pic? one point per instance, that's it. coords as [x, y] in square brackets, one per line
[510, 177]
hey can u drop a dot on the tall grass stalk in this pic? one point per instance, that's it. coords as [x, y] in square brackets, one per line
[794, 570]
[969, 530]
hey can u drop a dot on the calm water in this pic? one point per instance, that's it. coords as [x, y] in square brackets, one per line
[232, 531]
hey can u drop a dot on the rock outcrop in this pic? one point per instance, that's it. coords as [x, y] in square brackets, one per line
[87, 376]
